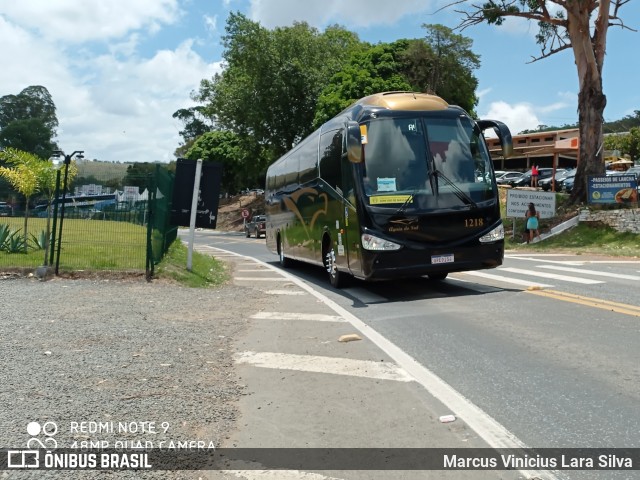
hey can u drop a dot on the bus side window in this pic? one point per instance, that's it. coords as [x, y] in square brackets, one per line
[330, 154]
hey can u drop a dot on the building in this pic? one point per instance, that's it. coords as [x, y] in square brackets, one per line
[557, 148]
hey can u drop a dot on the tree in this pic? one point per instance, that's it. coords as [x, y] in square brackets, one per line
[441, 64]
[28, 121]
[226, 147]
[138, 175]
[376, 69]
[580, 25]
[268, 91]
[626, 144]
[24, 174]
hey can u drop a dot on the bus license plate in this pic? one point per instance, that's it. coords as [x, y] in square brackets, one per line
[447, 258]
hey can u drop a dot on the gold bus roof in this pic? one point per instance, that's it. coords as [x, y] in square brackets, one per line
[404, 101]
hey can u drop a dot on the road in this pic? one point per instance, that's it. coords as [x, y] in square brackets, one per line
[546, 345]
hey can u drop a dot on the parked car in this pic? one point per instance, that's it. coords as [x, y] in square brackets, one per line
[257, 226]
[506, 176]
[525, 179]
[545, 183]
[566, 184]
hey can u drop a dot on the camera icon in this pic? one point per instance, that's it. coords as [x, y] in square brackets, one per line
[48, 429]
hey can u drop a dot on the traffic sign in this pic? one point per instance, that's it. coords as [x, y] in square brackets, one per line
[245, 213]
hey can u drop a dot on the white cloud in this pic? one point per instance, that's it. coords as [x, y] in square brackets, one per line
[115, 105]
[75, 22]
[355, 13]
[518, 117]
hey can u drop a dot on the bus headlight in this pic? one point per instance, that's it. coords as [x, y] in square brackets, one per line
[494, 235]
[369, 242]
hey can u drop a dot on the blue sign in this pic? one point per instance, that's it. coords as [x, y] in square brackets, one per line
[613, 189]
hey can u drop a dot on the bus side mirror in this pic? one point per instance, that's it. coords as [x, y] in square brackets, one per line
[503, 132]
[354, 145]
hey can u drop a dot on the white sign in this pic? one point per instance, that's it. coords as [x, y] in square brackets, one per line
[518, 203]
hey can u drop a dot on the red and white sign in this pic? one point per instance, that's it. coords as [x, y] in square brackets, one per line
[245, 213]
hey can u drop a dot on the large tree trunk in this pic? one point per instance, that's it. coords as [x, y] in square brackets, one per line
[591, 105]
[589, 57]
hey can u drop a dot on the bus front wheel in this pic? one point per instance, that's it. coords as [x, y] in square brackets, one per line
[336, 278]
[437, 276]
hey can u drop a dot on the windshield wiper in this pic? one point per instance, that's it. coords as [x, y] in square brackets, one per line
[407, 201]
[459, 193]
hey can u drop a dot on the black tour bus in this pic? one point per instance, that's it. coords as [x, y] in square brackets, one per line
[400, 184]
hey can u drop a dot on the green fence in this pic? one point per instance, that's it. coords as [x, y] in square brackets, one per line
[114, 218]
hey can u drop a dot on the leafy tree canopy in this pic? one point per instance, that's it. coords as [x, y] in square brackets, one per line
[581, 26]
[226, 148]
[441, 64]
[268, 92]
[28, 121]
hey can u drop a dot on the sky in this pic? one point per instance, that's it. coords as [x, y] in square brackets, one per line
[117, 70]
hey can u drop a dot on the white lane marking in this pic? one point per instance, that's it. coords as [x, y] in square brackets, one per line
[260, 279]
[330, 365]
[540, 260]
[591, 272]
[492, 432]
[566, 278]
[624, 262]
[277, 475]
[285, 292]
[500, 278]
[316, 317]
[524, 255]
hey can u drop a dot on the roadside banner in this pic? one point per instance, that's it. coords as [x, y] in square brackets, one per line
[518, 202]
[612, 189]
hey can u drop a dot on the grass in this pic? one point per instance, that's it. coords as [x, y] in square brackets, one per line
[591, 238]
[95, 245]
[206, 271]
[86, 244]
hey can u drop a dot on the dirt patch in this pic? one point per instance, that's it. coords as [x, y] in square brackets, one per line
[230, 211]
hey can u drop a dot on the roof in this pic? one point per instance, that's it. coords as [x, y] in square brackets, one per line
[404, 101]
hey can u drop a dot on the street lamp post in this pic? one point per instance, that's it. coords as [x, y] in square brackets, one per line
[67, 160]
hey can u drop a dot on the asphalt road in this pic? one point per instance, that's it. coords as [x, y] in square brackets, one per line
[547, 345]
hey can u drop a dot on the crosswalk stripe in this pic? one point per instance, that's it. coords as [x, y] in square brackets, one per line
[566, 278]
[331, 365]
[592, 272]
[501, 278]
[317, 317]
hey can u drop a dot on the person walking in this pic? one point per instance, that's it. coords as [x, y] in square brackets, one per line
[534, 176]
[533, 218]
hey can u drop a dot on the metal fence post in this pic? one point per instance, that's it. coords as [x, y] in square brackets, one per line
[52, 234]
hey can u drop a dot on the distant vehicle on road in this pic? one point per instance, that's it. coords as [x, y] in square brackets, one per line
[257, 226]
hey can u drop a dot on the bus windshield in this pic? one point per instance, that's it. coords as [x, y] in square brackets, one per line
[439, 161]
